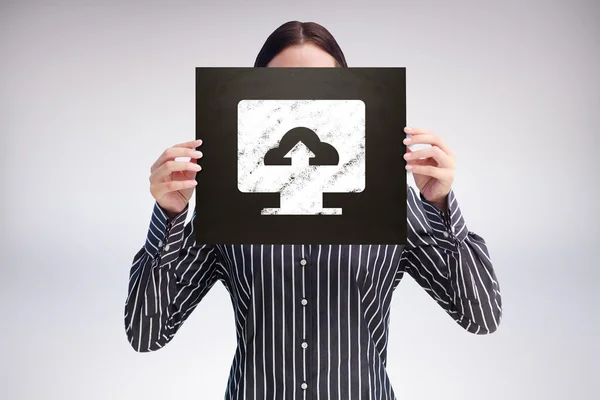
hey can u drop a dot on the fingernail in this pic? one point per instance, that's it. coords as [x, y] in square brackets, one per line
[408, 128]
[409, 167]
[406, 155]
[407, 140]
[197, 167]
[198, 154]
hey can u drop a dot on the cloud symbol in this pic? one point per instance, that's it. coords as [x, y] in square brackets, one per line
[325, 154]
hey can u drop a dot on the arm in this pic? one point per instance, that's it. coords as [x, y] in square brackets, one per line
[452, 264]
[169, 277]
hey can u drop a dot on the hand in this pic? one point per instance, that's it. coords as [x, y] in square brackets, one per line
[432, 167]
[172, 182]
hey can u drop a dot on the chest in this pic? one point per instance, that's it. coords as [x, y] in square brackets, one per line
[363, 266]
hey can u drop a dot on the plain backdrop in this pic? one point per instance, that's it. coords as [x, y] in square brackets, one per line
[92, 93]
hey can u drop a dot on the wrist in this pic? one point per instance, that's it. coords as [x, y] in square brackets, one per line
[171, 214]
[441, 205]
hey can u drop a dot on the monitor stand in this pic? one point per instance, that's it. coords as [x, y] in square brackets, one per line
[301, 204]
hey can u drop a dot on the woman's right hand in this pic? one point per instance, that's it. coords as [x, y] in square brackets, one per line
[172, 182]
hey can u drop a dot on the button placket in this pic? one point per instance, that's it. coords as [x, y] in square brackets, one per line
[167, 232]
[304, 302]
[309, 302]
[449, 232]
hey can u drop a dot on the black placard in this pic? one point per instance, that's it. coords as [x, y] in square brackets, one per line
[226, 97]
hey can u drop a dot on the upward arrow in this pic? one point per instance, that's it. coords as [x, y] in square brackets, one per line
[299, 154]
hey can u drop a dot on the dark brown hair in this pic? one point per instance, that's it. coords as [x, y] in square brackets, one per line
[296, 32]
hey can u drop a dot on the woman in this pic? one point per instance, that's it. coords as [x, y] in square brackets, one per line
[311, 321]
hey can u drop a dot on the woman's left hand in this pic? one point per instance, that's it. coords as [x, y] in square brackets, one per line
[432, 167]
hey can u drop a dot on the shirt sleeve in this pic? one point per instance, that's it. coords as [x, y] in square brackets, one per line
[169, 276]
[452, 264]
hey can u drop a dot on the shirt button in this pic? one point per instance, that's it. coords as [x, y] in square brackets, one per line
[167, 247]
[445, 234]
[304, 345]
[303, 262]
[304, 385]
[159, 243]
[304, 302]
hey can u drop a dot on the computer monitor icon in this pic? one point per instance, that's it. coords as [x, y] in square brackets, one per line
[301, 149]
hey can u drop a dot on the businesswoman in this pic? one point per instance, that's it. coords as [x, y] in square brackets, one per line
[311, 320]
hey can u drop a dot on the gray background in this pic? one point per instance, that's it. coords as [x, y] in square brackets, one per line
[90, 96]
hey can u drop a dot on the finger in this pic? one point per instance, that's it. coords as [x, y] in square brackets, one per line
[424, 161]
[441, 174]
[158, 190]
[428, 138]
[417, 131]
[191, 174]
[417, 160]
[443, 160]
[192, 144]
[170, 166]
[174, 152]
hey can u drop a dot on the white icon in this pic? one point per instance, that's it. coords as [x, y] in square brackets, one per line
[328, 158]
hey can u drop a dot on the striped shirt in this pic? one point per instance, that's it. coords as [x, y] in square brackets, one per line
[311, 320]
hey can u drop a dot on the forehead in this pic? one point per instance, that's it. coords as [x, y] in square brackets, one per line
[303, 55]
